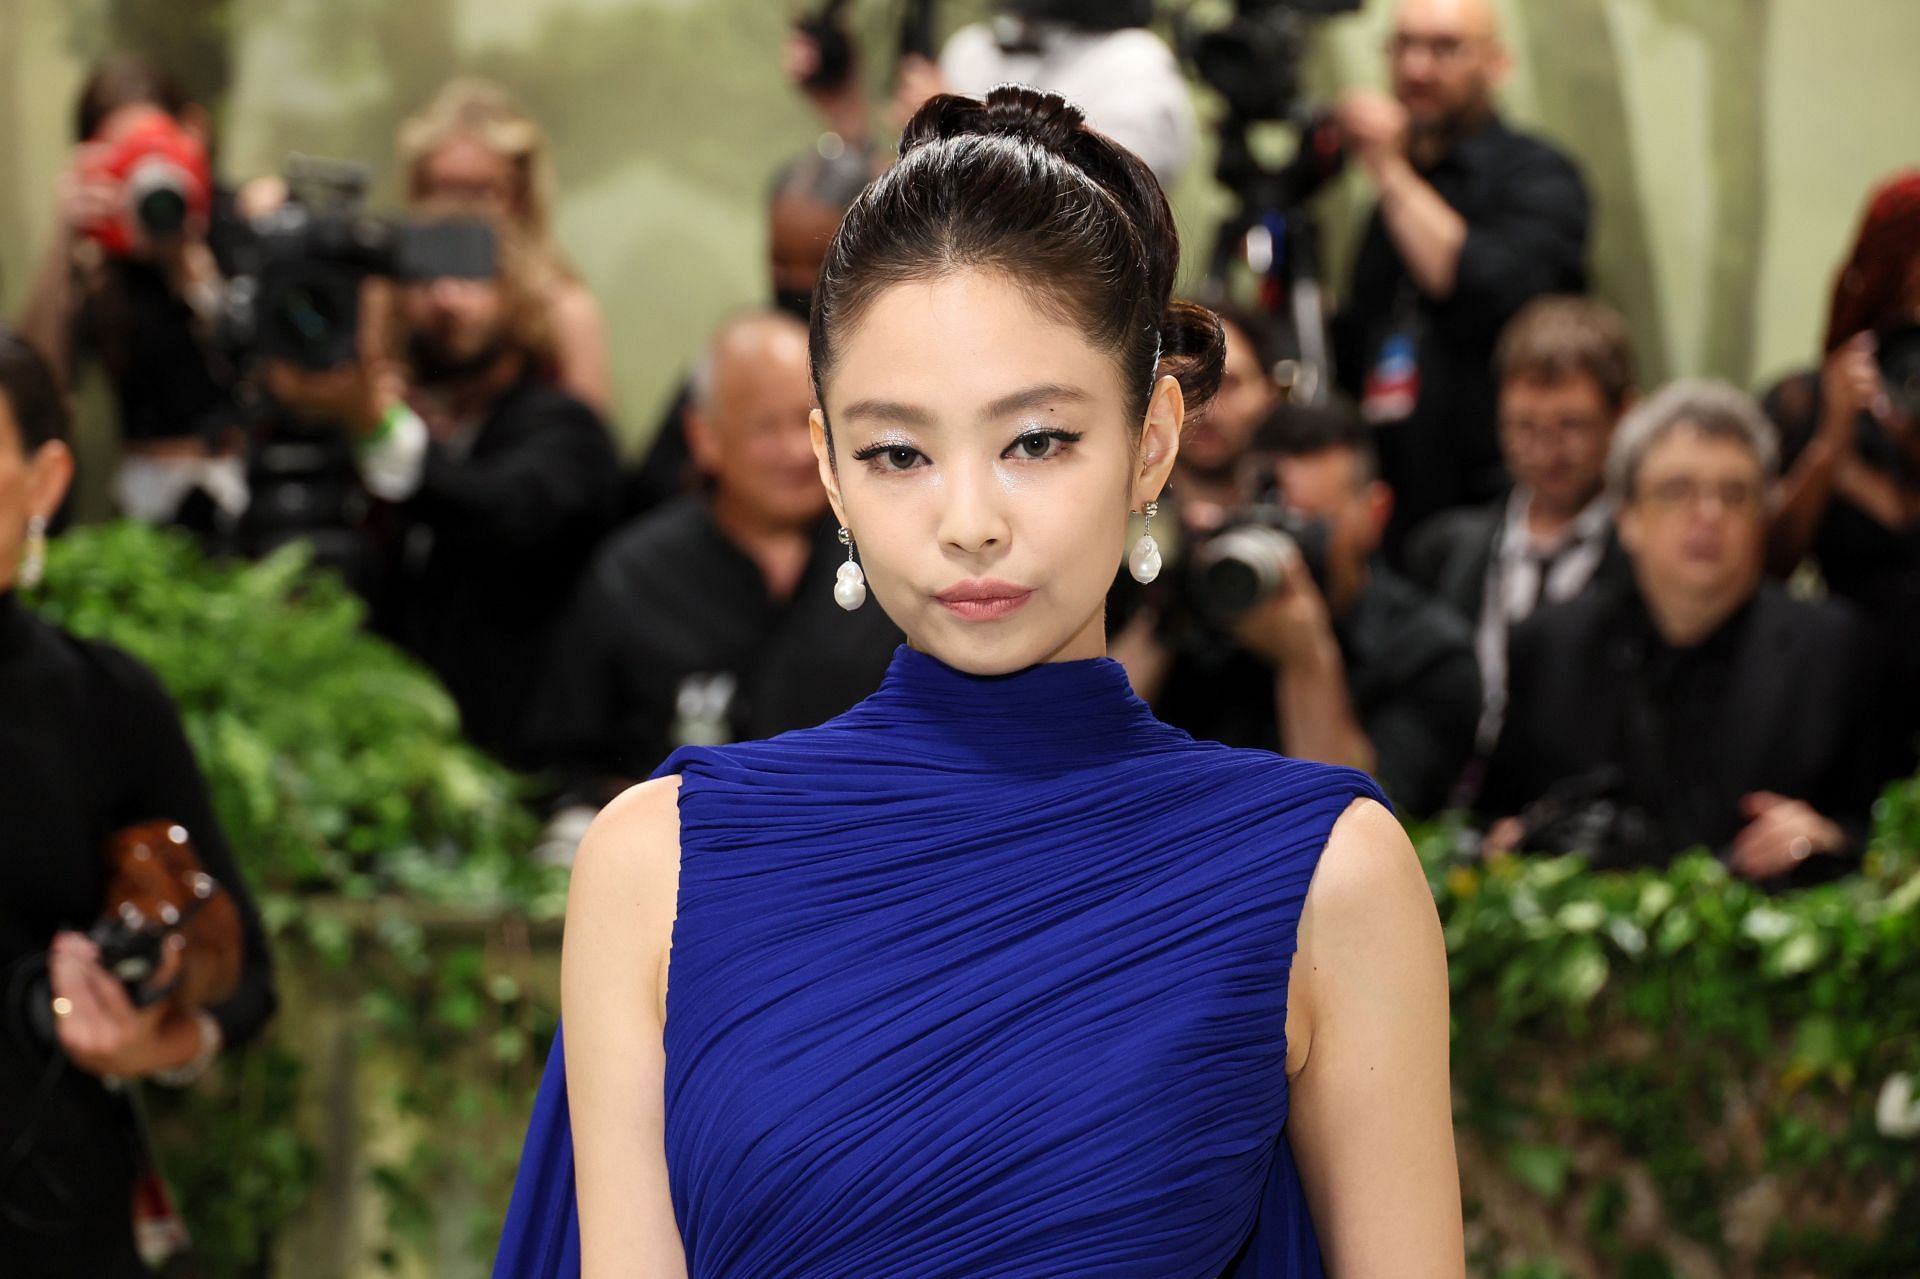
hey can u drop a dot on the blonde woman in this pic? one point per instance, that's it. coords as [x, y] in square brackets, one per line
[472, 145]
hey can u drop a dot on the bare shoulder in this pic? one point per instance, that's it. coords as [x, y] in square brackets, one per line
[574, 304]
[1368, 865]
[626, 876]
[1369, 933]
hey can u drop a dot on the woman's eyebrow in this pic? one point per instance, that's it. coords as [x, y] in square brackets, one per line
[1034, 397]
[913, 415]
[889, 411]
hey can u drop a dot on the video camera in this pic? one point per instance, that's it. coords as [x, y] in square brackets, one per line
[1254, 60]
[297, 296]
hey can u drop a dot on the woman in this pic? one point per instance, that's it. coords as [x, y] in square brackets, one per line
[1850, 497]
[996, 974]
[473, 146]
[89, 744]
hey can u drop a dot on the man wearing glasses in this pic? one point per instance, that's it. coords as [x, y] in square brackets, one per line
[1697, 705]
[1472, 220]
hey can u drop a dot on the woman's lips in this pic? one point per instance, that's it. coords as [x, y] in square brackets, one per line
[983, 601]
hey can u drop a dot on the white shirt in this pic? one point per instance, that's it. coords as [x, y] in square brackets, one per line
[1523, 575]
[1127, 83]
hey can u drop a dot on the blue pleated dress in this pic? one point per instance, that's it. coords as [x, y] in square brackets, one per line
[986, 977]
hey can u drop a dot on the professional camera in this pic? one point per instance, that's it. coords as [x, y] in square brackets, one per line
[297, 296]
[164, 173]
[1251, 557]
[1586, 815]
[1254, 60]
[1898, 352]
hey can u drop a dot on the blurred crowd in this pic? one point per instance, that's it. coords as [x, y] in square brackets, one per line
[1490, 567]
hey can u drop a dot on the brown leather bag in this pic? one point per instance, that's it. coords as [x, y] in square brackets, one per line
[155, 884]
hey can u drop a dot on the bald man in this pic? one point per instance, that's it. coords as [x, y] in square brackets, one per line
[712, 619]
[1473, 219]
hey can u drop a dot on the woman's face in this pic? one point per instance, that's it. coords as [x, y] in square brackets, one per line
[462, 170]
[29, 485]
[985, 461]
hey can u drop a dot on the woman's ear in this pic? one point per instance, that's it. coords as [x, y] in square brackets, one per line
[1159, 439]
[48, 476]
[823, 456]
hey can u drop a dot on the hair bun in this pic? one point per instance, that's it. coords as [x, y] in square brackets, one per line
[1047, 120]
[1193, 348]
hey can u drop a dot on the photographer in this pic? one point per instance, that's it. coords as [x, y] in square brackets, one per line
[1472, 220]
[89, 745]
[473, 147]
[1698, 705]
[1565, 367]
[493, 485]
[133, 277]
[713, 619]
[1850, 432]
[1354, 666]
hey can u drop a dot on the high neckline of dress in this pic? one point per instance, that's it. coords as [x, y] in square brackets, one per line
[1079, 709]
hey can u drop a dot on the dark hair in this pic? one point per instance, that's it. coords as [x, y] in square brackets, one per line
[1257, 328]
[1562, 336]
[124, 80]
[1019, 185]
[32, 392]
[1307, 430]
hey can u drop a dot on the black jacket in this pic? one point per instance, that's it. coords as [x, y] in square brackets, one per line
[1450, 554]
[482, 559]
[1779, 699]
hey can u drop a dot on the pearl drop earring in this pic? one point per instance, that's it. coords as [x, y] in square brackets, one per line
[1144, 561]
[33, 562]
[850, 583]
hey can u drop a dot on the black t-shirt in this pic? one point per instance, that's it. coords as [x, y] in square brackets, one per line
[1527, 216]
[1411, 676]
[1874, 566]
[674, 639]
[169, 380]
[482, 559]
[89, 744]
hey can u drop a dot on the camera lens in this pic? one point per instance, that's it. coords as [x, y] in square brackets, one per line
[306, 318]
[1240, 567]
[161, 211]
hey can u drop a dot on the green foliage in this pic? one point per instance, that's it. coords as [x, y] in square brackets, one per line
[1655, 1073]
[1682, 1026]
[339, 774]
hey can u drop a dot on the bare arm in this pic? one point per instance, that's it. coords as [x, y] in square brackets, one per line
[1849, 386]
[1316, 714]
[1371, 1122]
[620, 909]
[580, 334]
[1426, 229]
[46, 316]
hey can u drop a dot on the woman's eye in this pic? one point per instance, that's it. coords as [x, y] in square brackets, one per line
[889, 457]
[1038, 445]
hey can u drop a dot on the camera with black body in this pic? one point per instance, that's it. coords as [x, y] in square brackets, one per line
[297, 295]
[1589, 815]
[1251, 557]
[1254, 60]
[131, 950]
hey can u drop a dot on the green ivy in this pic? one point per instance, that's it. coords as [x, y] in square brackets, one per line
[1655, 1073]
[338, 771]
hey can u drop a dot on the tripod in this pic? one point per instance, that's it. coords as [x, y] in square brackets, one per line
[1274, 237]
